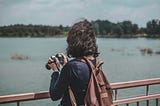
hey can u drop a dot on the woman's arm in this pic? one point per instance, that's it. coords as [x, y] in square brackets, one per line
[60, 82]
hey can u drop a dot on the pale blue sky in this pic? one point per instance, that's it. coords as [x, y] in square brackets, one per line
[67, 12]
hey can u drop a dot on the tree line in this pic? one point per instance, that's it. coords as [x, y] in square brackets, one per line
[103, 28]
[21, 30]
[127, 29]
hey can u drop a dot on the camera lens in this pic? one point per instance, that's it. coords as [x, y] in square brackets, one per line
[60, 58]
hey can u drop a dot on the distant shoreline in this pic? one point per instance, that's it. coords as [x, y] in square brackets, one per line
[98, 36]
[103, 29]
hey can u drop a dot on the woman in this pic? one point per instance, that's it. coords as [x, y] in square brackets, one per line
[75, 73]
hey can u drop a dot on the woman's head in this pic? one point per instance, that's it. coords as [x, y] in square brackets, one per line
[81, 40]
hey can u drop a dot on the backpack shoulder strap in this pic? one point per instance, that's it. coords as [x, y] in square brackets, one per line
[99, 63]
[72, 97]
[91, 65]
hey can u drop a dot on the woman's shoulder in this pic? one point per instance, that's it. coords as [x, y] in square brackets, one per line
[74, 64]
[75, 61]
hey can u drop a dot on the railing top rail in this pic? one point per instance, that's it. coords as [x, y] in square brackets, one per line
[136, 99]
[45, 94]
[24, 97]
[129, 84]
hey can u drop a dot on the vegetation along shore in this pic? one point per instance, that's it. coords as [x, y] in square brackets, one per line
[103, 28]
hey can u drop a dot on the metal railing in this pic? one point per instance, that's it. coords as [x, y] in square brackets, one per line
[130, 84]
[115, 86]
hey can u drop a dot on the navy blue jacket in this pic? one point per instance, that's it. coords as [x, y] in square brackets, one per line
[75, 74]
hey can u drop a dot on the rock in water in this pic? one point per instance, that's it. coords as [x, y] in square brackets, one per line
[19, 57]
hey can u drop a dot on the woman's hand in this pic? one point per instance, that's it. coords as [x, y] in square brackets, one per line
[65, 59]
[54, 64]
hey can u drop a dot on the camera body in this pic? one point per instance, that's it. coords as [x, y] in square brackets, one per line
[53, 57]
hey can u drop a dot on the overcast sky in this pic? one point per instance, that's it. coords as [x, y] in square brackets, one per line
[67, 12]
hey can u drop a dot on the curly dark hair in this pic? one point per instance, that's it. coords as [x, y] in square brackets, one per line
[82, 40]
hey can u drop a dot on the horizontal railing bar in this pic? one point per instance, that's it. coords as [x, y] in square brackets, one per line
[129, 84]
[24, 97]
[45, 94]
[136, 99]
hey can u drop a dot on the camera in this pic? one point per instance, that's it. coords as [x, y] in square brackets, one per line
[58, 56]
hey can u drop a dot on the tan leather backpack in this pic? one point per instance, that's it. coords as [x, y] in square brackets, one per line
[99, 92]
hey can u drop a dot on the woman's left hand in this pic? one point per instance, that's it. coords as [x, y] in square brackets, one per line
[54, 64]
[65, 59]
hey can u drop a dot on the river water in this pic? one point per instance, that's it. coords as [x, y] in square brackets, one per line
[122, 57]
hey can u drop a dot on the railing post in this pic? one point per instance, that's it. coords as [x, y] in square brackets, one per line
[147, 93]
[156, 102]
[18, 103]
[147, 90]
[116, 96]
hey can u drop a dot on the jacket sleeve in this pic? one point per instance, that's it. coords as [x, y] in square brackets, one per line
[59, 82]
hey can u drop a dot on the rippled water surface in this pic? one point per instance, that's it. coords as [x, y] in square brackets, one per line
[122, 57]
